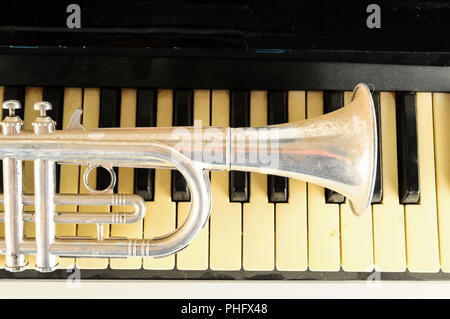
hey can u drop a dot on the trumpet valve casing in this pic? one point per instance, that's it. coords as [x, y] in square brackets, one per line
[13, 202]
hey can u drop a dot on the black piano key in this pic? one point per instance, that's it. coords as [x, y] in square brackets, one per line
[144, 178]
[55, 95]
[239, 117]
[12, 93]
[408, 168]
[110, 99]
[277, 114]
[183, 115]
[378, 188]
[332, 101]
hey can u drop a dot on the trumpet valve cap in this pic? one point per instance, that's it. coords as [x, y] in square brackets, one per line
[43, 107]
[12, 106]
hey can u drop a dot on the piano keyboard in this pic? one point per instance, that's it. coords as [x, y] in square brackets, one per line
[260, 226]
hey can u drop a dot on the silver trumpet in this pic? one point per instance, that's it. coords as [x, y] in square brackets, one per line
[336, 150]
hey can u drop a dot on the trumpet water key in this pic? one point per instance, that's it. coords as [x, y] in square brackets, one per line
[336, 150]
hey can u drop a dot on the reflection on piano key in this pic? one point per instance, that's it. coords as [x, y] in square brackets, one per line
[291, 250]
[195, 256]
[258, 213]
[226, 217]
[388, 217]
[277, 114]
[239, 117]
[125, 186]
[182, 116]
[160, 218]
[144, 178]
[422, 250]
[408, 177]
[441, 108]
[323, 218]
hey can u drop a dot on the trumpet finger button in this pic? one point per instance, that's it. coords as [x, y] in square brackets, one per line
[43, 107]
[11, 105]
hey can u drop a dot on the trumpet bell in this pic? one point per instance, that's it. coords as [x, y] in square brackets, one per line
[359, 137]
[358, 122]
[337, 150]
[360, 196]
